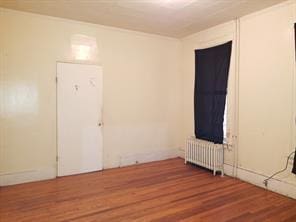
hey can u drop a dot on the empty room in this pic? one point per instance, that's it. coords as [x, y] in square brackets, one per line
[147, 110]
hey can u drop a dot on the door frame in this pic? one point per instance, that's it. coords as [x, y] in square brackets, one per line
[56, 108]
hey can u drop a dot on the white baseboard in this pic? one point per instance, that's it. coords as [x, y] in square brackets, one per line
[275, 185]
[257, 179]
[181, 153]
[27, 176]
[50, 173]
[163, 154]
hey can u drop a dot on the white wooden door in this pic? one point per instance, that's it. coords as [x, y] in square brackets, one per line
[79, 118]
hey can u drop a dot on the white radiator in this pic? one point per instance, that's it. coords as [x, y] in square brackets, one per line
[205, 154]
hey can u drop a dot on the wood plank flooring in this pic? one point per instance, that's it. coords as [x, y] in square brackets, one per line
[159, 191]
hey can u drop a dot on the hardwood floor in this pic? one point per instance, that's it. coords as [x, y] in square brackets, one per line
[159, 191]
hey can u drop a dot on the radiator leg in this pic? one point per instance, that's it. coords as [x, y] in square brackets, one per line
[214, 172]
[222, 173]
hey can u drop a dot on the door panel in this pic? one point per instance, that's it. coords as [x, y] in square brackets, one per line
[79, 114]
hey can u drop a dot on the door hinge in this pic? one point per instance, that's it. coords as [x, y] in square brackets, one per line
[57, 158]
[56, 79]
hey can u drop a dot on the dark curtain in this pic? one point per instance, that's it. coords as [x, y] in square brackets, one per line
[211, 77]
[294, 165]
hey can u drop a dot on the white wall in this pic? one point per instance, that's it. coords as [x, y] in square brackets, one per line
[266, 93]
[267, 90]
[141, 93]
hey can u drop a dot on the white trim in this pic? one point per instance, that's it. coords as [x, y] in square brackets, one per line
[27, 176]
[293, 118]
[275, 185]
[132, 159]
[181, 153]
[148, 157]
[235, 133]
[50, 173]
